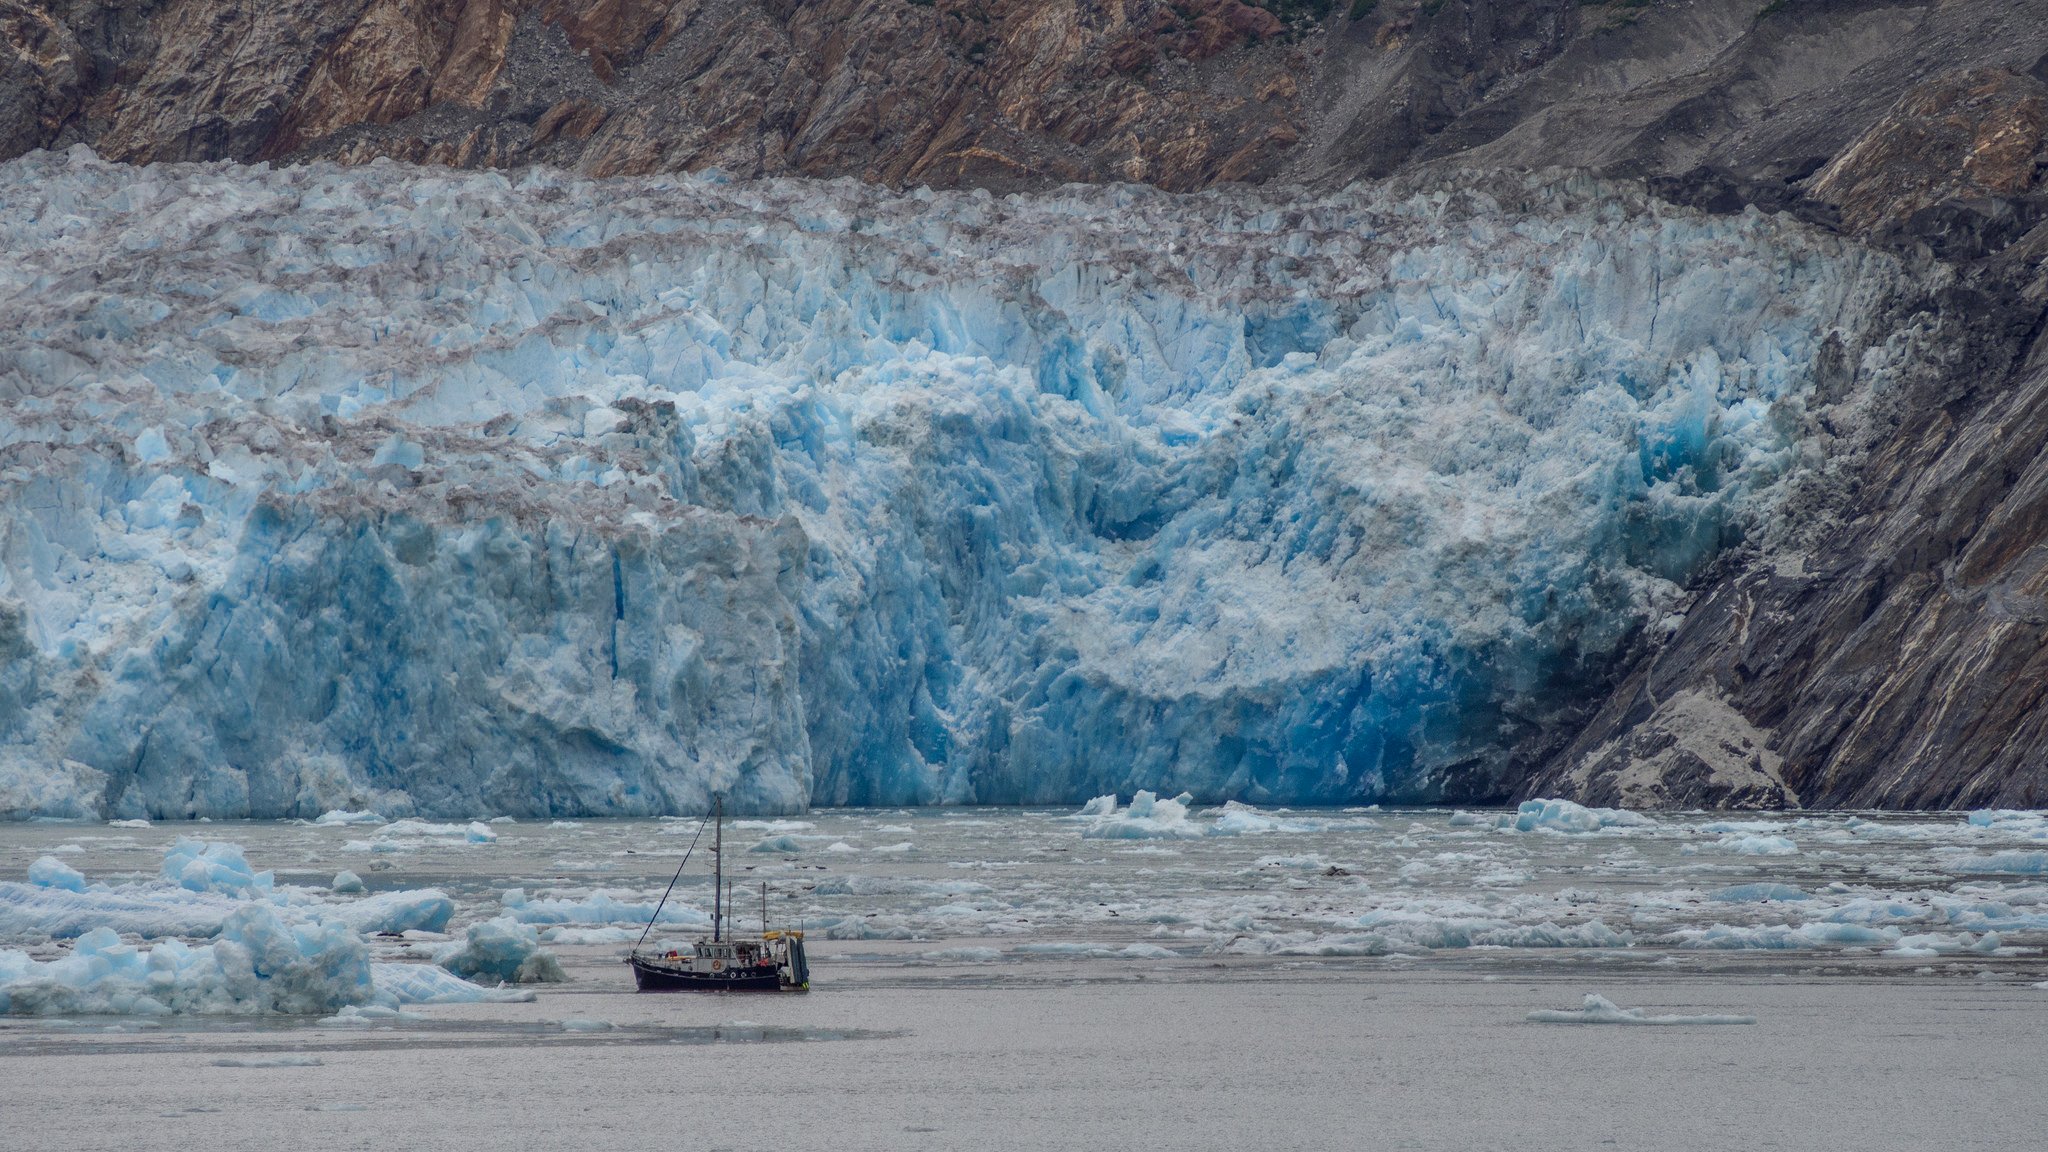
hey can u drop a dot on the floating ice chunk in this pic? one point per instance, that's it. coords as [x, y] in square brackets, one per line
[432, 984]
[1944, 944]
[597, 908]
[776, 827]
[1242, 819]
[859, 885]
[27, 910]
[50, 872]
[501, 950]
[1142, 951]
[407, 910]
[1784, 936]
[1148, 818]
[285, 1061]
[258, 964]
[2007, 863]
[1565, 816]
[474, 832]
[1100, 806]
[785, 843]
[362, 1015]
[967, 955]
[338, 816]
[2010, 820]
[1758, 845]
[896, 849]
[1601, 1010]
[204, 866]
[581, 1024]
[840, 846]
[1759, 894]
[347, 883]
[127, 823]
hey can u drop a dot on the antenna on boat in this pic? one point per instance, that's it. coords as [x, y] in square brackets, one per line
[718, 859]
[671, 884]
[764, 908]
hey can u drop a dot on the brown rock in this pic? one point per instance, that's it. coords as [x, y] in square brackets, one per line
[42, 77]
[1970, 134]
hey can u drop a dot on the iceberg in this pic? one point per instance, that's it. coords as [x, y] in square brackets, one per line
[502, 950]
[201, 866]
[257, 964]
[50, 872]
[1600, 1010]
[408, 490]
[1147, 818]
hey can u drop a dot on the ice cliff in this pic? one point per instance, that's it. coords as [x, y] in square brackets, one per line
[453, 494]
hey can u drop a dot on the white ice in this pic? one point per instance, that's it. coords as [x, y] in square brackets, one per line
[1601, 1010]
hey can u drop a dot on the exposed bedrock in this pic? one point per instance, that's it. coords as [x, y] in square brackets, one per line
[995, 93]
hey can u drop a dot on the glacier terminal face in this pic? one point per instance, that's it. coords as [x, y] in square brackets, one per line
[456, 494]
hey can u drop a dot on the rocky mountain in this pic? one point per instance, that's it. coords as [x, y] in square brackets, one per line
[1873, 632]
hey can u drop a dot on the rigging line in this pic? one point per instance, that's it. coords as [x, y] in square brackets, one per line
[672, 883]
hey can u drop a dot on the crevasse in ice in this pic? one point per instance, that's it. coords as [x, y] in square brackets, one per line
[437, 493]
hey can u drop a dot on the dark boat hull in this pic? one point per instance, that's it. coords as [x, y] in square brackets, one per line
[659, 978]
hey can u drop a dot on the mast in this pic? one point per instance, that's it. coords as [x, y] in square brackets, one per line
[718, 863]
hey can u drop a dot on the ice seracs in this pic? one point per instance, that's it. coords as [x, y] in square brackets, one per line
[417, 491]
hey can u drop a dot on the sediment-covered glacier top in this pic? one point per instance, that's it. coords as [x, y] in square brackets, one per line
[458, 494]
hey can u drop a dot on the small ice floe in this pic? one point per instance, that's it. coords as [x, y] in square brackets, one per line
[290, 1060]
[840, 846]
[258, 964]
[775, 827]
[896, 849]
[363, 1015]
[581, 1024]
[347, 883]
[432, 984]
[1555, 816]
[2033, 825]
[967, 955]
[1600, 1010]
[1139, 951]
[209, 866]
[503, 951]
[127, 823]
[337, 816]
[400, 832]
[1147, 818]
[50, 872]
[1759, 894]
[1751, 845]
[2000, 863]
[1944, 944]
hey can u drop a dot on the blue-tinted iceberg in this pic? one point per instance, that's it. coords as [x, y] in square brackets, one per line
[408, 490]
[257, 964]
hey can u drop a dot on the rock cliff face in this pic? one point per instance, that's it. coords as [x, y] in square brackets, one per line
[1884, 642]
[1178, 93]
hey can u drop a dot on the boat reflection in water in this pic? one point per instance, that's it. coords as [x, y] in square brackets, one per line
[727, 962]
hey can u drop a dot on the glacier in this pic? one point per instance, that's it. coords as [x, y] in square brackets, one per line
[444, 494]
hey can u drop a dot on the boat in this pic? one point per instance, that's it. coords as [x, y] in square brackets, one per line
[773, 961]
